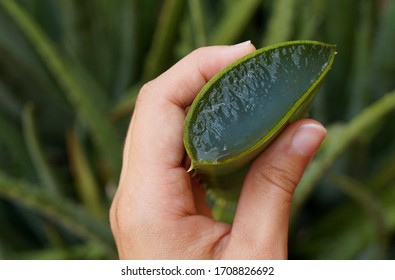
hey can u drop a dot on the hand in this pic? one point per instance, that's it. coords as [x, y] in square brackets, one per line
[159, 212]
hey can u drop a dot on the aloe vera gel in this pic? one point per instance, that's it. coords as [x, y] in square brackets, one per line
[245, 106]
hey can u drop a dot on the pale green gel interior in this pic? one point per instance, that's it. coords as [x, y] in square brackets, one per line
[252, 97]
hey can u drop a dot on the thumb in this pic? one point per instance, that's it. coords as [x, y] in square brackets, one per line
[262, 216]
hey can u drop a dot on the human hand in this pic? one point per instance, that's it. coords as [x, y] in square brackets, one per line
[159, 211]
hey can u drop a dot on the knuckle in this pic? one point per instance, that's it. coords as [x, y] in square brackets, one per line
[151, 92]
[284, 179]
[145, 91]
[147, 87]
[198, 51]
[113, 217]
[127, 220]
[259, 247]
[120, 220]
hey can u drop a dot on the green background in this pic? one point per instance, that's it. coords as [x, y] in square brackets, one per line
[69, 74]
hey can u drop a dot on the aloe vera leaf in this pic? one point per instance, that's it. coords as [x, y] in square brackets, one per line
[126, 105]
[385, 173]
[360, 87]
[16, 52]
[163, 38]
[12, 139]
[371, 205]
[197, 23]
[281, 22]
[88, 251]
[357, 233]
[87, 187]
[36, 152]
[77, 91]
[127, 48]
[340, 137]
[110, 61]
[244, 107]
[340, 26]
[383, 64]
[309, 15]
[236, 17]
[58, 209]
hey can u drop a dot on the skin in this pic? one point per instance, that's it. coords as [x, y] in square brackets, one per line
[159, 211]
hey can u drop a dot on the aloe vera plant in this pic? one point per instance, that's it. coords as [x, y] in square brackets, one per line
[243, 108]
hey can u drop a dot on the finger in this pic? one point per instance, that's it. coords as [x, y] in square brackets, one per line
[190, 74]
[160, 110]
[262, 216]
[155, 137]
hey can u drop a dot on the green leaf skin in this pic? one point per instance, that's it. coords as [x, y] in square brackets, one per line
[242, 109]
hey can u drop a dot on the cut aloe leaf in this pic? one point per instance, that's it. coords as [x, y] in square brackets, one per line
[243, 108]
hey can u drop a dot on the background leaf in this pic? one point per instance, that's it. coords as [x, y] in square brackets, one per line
[80, 65]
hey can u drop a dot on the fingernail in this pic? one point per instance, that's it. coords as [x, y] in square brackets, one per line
[308, 138]
[245, 43]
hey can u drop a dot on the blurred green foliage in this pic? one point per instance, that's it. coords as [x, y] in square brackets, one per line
[69, 74]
